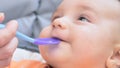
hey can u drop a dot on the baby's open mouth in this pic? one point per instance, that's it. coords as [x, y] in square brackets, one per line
[59, 39]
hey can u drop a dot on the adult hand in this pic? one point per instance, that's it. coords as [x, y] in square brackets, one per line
[8, 41]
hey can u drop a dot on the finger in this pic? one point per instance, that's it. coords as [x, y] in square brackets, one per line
[9, 49]
[5, 62]
[1, 17]
[8, 32]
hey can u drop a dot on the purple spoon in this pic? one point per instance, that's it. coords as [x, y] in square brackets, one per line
[46, 41]
[39, 41]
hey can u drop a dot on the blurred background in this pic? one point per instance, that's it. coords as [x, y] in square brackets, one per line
[32, 16]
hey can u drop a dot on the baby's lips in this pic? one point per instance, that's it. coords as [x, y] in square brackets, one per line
[60, 39]
[60, 34]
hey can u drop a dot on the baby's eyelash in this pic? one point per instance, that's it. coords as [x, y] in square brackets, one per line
[55, 17]
[83, 19]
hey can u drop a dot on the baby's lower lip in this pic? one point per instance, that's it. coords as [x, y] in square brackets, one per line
[61, 42]
[56, 41]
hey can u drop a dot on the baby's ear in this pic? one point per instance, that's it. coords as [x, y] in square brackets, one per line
[114, 60]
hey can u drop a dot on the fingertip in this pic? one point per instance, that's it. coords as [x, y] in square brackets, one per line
[12, 25]
[1, 17]
[13, 44]
[15, 40]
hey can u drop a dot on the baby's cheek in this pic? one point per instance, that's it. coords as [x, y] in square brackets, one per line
[62, 52]
[46, 32]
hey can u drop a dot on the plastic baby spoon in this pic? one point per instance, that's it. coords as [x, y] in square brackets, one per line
[39, 41]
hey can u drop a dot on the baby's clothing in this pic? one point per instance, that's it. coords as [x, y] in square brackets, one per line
[27, 59]
[28, 64]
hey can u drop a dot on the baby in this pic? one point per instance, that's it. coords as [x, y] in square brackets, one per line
[90, 35]
[89, 32]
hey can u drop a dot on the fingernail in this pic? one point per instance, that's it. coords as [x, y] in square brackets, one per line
[1, 16]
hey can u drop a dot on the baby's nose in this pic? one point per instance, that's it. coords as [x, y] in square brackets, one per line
[58, 23]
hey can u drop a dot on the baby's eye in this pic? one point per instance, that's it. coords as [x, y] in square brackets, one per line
[55, 17]
[83, 19]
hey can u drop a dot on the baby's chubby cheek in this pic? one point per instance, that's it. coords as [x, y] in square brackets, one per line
[46, 32]
[54, 53]
[58, 53]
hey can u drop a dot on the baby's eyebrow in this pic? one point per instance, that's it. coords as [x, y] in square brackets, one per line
[56, 14]
[87, 7]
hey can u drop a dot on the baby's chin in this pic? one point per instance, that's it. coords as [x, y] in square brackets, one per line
[56, 53]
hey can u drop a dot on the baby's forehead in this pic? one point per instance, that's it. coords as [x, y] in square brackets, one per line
[110, 5]
[90, 2]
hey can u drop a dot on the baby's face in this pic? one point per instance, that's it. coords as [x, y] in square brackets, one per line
[86, 29]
